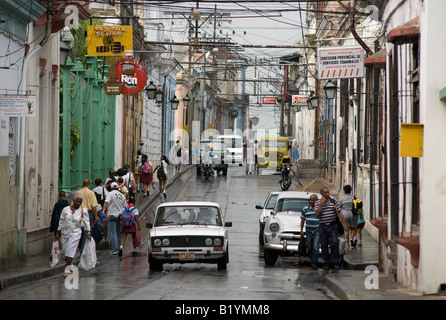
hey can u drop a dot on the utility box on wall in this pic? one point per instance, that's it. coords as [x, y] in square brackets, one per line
[412, 140]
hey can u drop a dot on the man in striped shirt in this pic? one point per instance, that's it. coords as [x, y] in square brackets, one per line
[327, 209]
[309, 217]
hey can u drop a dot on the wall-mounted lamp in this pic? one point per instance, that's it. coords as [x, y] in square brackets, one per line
[174, 103]
[151, 91]
[330, 89]
[186, 101]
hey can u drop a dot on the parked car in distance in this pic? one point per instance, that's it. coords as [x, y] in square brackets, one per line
[187, 232]
[282, 228]
[267, 207]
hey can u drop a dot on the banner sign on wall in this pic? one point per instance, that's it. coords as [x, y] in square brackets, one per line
[110, 41]
[17, 106]
[269, 100]
[340, 63]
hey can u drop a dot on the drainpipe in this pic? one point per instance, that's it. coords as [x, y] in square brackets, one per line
[353, 30]
[22, 127]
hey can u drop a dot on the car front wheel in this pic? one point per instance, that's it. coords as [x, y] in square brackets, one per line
[223, 263]
[154, 264]
[270, 257]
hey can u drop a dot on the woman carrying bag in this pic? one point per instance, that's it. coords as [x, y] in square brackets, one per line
[72, 219]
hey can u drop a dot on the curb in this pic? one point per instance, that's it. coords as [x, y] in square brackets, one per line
[340, 289]
[45, 272]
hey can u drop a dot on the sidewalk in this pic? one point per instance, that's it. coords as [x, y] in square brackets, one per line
[354, 283]
[349, 283]
[37, 267]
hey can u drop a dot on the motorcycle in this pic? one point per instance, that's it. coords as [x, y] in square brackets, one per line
[207, 163]
[285, 182]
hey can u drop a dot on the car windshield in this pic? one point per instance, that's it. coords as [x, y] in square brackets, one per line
[274, 144]
[290, 204]
[233, 142]
[184, 215]
[271, 201]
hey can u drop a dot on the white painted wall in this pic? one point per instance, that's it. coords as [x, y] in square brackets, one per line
[432, 269]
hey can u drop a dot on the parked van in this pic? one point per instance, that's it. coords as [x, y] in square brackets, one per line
[234, 148]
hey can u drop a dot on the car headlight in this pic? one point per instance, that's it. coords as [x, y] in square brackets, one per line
[208, 241]
[157, 242]
[217, 242]
[166, 242]
[280, 154]
[274, 227]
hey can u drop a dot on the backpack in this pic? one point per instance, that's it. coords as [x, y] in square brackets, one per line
[127, 216]
[357, 206]
[146, 167]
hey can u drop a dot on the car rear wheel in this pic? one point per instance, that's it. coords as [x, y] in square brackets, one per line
[270, 257]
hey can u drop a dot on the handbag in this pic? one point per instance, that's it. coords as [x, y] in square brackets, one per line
[97, 232]
[83, 223]
[340, 226]
[88, 257]
[55, 254]
[303, 249]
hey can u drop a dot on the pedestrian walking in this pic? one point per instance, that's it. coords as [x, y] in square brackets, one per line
[346, 206]
[327, 210]
[133, 213]
[357, 233]
[114, 204]
[177, 156]
[138, 165]
[146, 175]
[61, 203]
[69, 230]
[130, 178]
[294, 151]
[309, 217]
[161, 174]
[90, 203]
[250, 158]
[100, 192]
[256, 153]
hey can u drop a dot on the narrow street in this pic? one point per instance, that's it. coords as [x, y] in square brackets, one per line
[247, 277]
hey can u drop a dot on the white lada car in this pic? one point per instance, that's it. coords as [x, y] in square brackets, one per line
[282, 228]
[187, 232]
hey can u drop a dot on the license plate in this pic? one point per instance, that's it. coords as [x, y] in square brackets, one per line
[187, 256]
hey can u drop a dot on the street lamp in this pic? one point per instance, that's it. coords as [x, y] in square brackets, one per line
[186, 101]
[64, 51]
[312, 101]
[174, 103]
[330, 89]
[151, 91]
[159, 95]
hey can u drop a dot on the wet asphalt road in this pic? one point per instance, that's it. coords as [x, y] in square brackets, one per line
[247, 277]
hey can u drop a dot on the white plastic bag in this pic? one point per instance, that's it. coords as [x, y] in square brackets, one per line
[55, 254]
[88, 257]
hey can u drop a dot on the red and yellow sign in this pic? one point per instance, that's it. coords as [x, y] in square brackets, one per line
[132, 75]
[110, 41]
